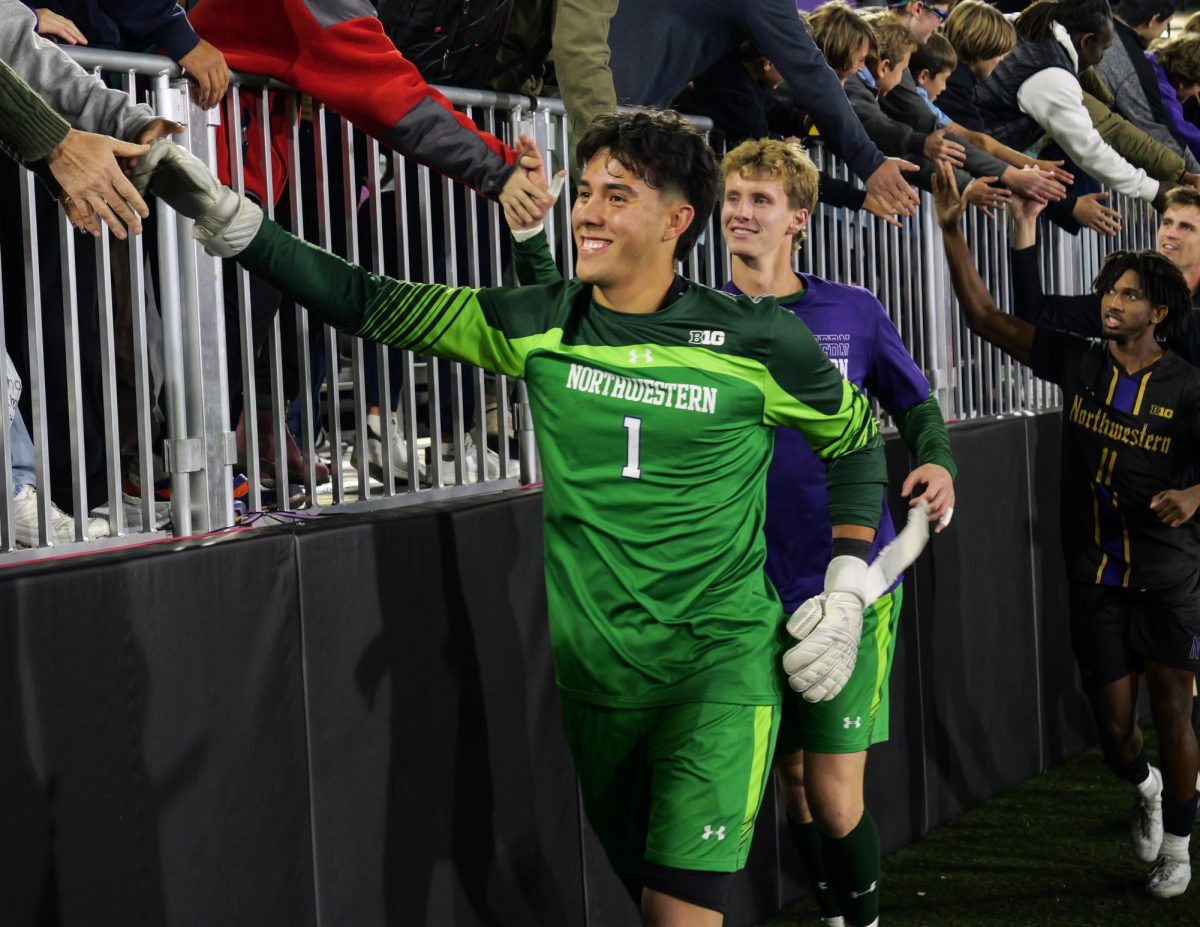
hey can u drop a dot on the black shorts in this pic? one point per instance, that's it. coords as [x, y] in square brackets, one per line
[1114, 631]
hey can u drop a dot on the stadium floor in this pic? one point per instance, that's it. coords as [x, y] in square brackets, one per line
[1054, 851]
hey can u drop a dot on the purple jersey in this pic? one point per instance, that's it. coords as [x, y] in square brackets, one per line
[855, 333]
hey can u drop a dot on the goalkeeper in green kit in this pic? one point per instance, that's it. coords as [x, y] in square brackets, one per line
[656, 401]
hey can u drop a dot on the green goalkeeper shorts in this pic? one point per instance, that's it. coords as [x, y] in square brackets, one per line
[858, 716]
[678, 785]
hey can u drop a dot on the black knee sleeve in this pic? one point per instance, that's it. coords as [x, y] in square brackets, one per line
[703, 889]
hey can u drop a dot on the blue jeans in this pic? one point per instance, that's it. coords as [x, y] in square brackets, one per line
[20, 447]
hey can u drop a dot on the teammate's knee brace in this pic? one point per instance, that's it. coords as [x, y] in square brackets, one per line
[703, 889]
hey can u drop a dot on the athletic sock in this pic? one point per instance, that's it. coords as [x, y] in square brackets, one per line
[807, 839]
[1178, 818]
[1137, 773]
[853, 865]
[1175, 846]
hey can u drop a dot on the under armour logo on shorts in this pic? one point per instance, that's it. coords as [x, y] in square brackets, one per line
[719, 833]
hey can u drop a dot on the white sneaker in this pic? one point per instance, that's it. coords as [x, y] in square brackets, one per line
[838, 921]
[471, 463]
[1146, 826]
[375, 450]
[1169, 877]
[133, 513]
[62, 525]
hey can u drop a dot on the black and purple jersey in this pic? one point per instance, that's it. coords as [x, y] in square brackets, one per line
[1126, 438]
[855, 333]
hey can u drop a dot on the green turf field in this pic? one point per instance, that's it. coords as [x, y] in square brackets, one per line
[1053, 852]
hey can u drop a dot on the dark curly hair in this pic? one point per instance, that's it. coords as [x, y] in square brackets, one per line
[1160, 280]
[1078, 17]
[665, 152]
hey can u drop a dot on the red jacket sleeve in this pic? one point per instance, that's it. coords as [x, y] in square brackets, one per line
[347, 62]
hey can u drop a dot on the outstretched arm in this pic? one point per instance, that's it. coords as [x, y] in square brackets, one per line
[1012, 335]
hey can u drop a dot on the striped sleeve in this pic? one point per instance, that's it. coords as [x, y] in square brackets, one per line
[804, 390]
[429, 318]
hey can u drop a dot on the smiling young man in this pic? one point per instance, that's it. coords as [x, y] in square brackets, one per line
[656, 403]
[769, 193]
[770, 190]
[1178, 242]
[1131, 434]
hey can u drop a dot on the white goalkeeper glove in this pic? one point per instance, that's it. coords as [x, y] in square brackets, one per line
[829, 626]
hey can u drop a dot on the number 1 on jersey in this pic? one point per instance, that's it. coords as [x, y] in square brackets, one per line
[633, 453]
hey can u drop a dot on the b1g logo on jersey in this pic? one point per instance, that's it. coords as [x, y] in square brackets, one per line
[711, 338]
[1162, 411]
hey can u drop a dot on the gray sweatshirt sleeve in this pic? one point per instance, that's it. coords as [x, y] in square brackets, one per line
[75, 94]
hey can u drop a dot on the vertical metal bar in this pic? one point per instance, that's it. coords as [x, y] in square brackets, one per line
[307, 443]
[450, 243]
[108, 388]
[279, 401]
[141, 377]
[432, 385]
[233, 117]
[382, 354]
[7, 541]
[70, 310]
[173, 367]
[477, 385]
[408, 388]
[332, 354]
[206, 455]
[37, 373]
[563, 244]
[357, 375]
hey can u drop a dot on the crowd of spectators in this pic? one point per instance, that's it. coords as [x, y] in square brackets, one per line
[1040, 105]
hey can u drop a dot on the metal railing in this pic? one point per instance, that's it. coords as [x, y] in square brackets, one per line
[215, 437]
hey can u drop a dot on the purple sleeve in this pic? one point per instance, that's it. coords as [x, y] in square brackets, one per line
[894, 378]
[1180, 124]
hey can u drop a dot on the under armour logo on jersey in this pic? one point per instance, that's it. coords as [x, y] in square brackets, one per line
[642, 354]
[713, 338]
[870, 888]
[857, 722]
[719, 833]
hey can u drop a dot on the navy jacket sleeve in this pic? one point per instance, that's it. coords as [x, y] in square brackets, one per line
[835, 192]
[781, 36]
[115, 22]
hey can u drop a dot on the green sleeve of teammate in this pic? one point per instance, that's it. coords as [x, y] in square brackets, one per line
[803, 390]
[533, 261]
[924, 432]
[29, 129]
[493, 329]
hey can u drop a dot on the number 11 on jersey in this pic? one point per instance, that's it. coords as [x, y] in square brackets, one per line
[633, 448]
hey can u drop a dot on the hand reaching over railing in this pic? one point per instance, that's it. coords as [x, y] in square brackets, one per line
[94, 188]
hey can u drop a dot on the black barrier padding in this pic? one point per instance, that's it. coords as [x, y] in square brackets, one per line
[161, 699]
[25, 863]
[443, 792]
[1066, 721]
[895, 781]
[608, 903]
[978, 640]
[177, 717]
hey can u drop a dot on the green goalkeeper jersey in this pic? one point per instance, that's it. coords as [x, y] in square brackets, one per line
[655, 432]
